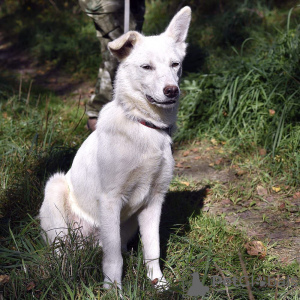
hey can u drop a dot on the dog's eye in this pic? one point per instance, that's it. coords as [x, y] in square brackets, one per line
[146, 67]
[175, 64]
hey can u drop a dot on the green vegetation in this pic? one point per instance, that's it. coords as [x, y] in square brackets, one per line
[252, 101]
[57, 34]
[243, 94]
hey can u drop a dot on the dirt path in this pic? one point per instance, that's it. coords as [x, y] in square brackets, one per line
[265, 216]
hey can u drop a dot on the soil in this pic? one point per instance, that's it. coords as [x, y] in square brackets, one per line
[267, 216]
[274, 220]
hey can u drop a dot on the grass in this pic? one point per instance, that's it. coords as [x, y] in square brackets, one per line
[49, 132]
[58, 35]
[245, 105]
[254, 103]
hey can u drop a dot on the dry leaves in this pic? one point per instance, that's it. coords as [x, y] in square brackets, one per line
[186, 153]
[30, 286]
[262, 152]
[271, 112]
[4, 279]
[281, 207]
[296, 195]
[219, 161]
[179, 165]
[214, 142]
[256, 248]
[261, 191]
[276, 189]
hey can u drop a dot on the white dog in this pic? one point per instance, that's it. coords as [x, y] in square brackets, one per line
[121, 173]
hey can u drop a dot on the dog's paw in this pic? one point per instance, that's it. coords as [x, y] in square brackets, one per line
[109, 285]
[160, 283]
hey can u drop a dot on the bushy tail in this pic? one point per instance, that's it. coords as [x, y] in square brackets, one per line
[53, 214]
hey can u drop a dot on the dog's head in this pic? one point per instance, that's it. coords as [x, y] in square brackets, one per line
[151, 66]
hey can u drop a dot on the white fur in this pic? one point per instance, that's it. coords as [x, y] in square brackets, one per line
[122, 171]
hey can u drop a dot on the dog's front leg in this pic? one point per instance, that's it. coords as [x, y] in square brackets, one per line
[111, 241]
[149, 219]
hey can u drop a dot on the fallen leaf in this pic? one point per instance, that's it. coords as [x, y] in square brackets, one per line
[4, 115]
[261, 191]
[30, 286]
[214, 142]
[219, 161]
[284, 259]
[195, 149]
[185, 183]
[154, 281]
[211, 164]
[256, 248]
[281, 207]
[296, 195]
[179, 165]
[4, 279]
[197, 157]
[40, 72]
[230, 238]
[262, 152]
[271, 112]
[276, 189]
[186, 153]
[240, 172]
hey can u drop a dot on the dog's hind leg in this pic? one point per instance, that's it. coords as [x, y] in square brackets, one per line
[110, 233]
[53, 214]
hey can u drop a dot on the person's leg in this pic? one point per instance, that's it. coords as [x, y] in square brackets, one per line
[108, 17]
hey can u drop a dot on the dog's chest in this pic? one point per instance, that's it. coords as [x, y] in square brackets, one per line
[149, 177]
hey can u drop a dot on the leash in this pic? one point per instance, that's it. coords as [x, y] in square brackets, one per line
[126, 15]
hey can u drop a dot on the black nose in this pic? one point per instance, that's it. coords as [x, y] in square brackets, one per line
[171, 91]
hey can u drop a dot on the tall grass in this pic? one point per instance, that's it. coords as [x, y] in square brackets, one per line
[253, 100]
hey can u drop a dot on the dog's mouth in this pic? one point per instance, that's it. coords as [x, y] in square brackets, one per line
[153, 101]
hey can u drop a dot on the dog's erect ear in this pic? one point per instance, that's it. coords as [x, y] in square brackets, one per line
[122, 46]
[178, 27]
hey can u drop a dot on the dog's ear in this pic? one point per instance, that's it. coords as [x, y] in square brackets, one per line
[122, 46]
[179, 25]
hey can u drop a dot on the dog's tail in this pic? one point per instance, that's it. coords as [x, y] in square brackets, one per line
[53, 212]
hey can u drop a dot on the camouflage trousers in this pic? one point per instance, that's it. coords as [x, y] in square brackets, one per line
[108, 17]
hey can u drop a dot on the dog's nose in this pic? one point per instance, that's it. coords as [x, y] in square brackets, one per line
[171, 91]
